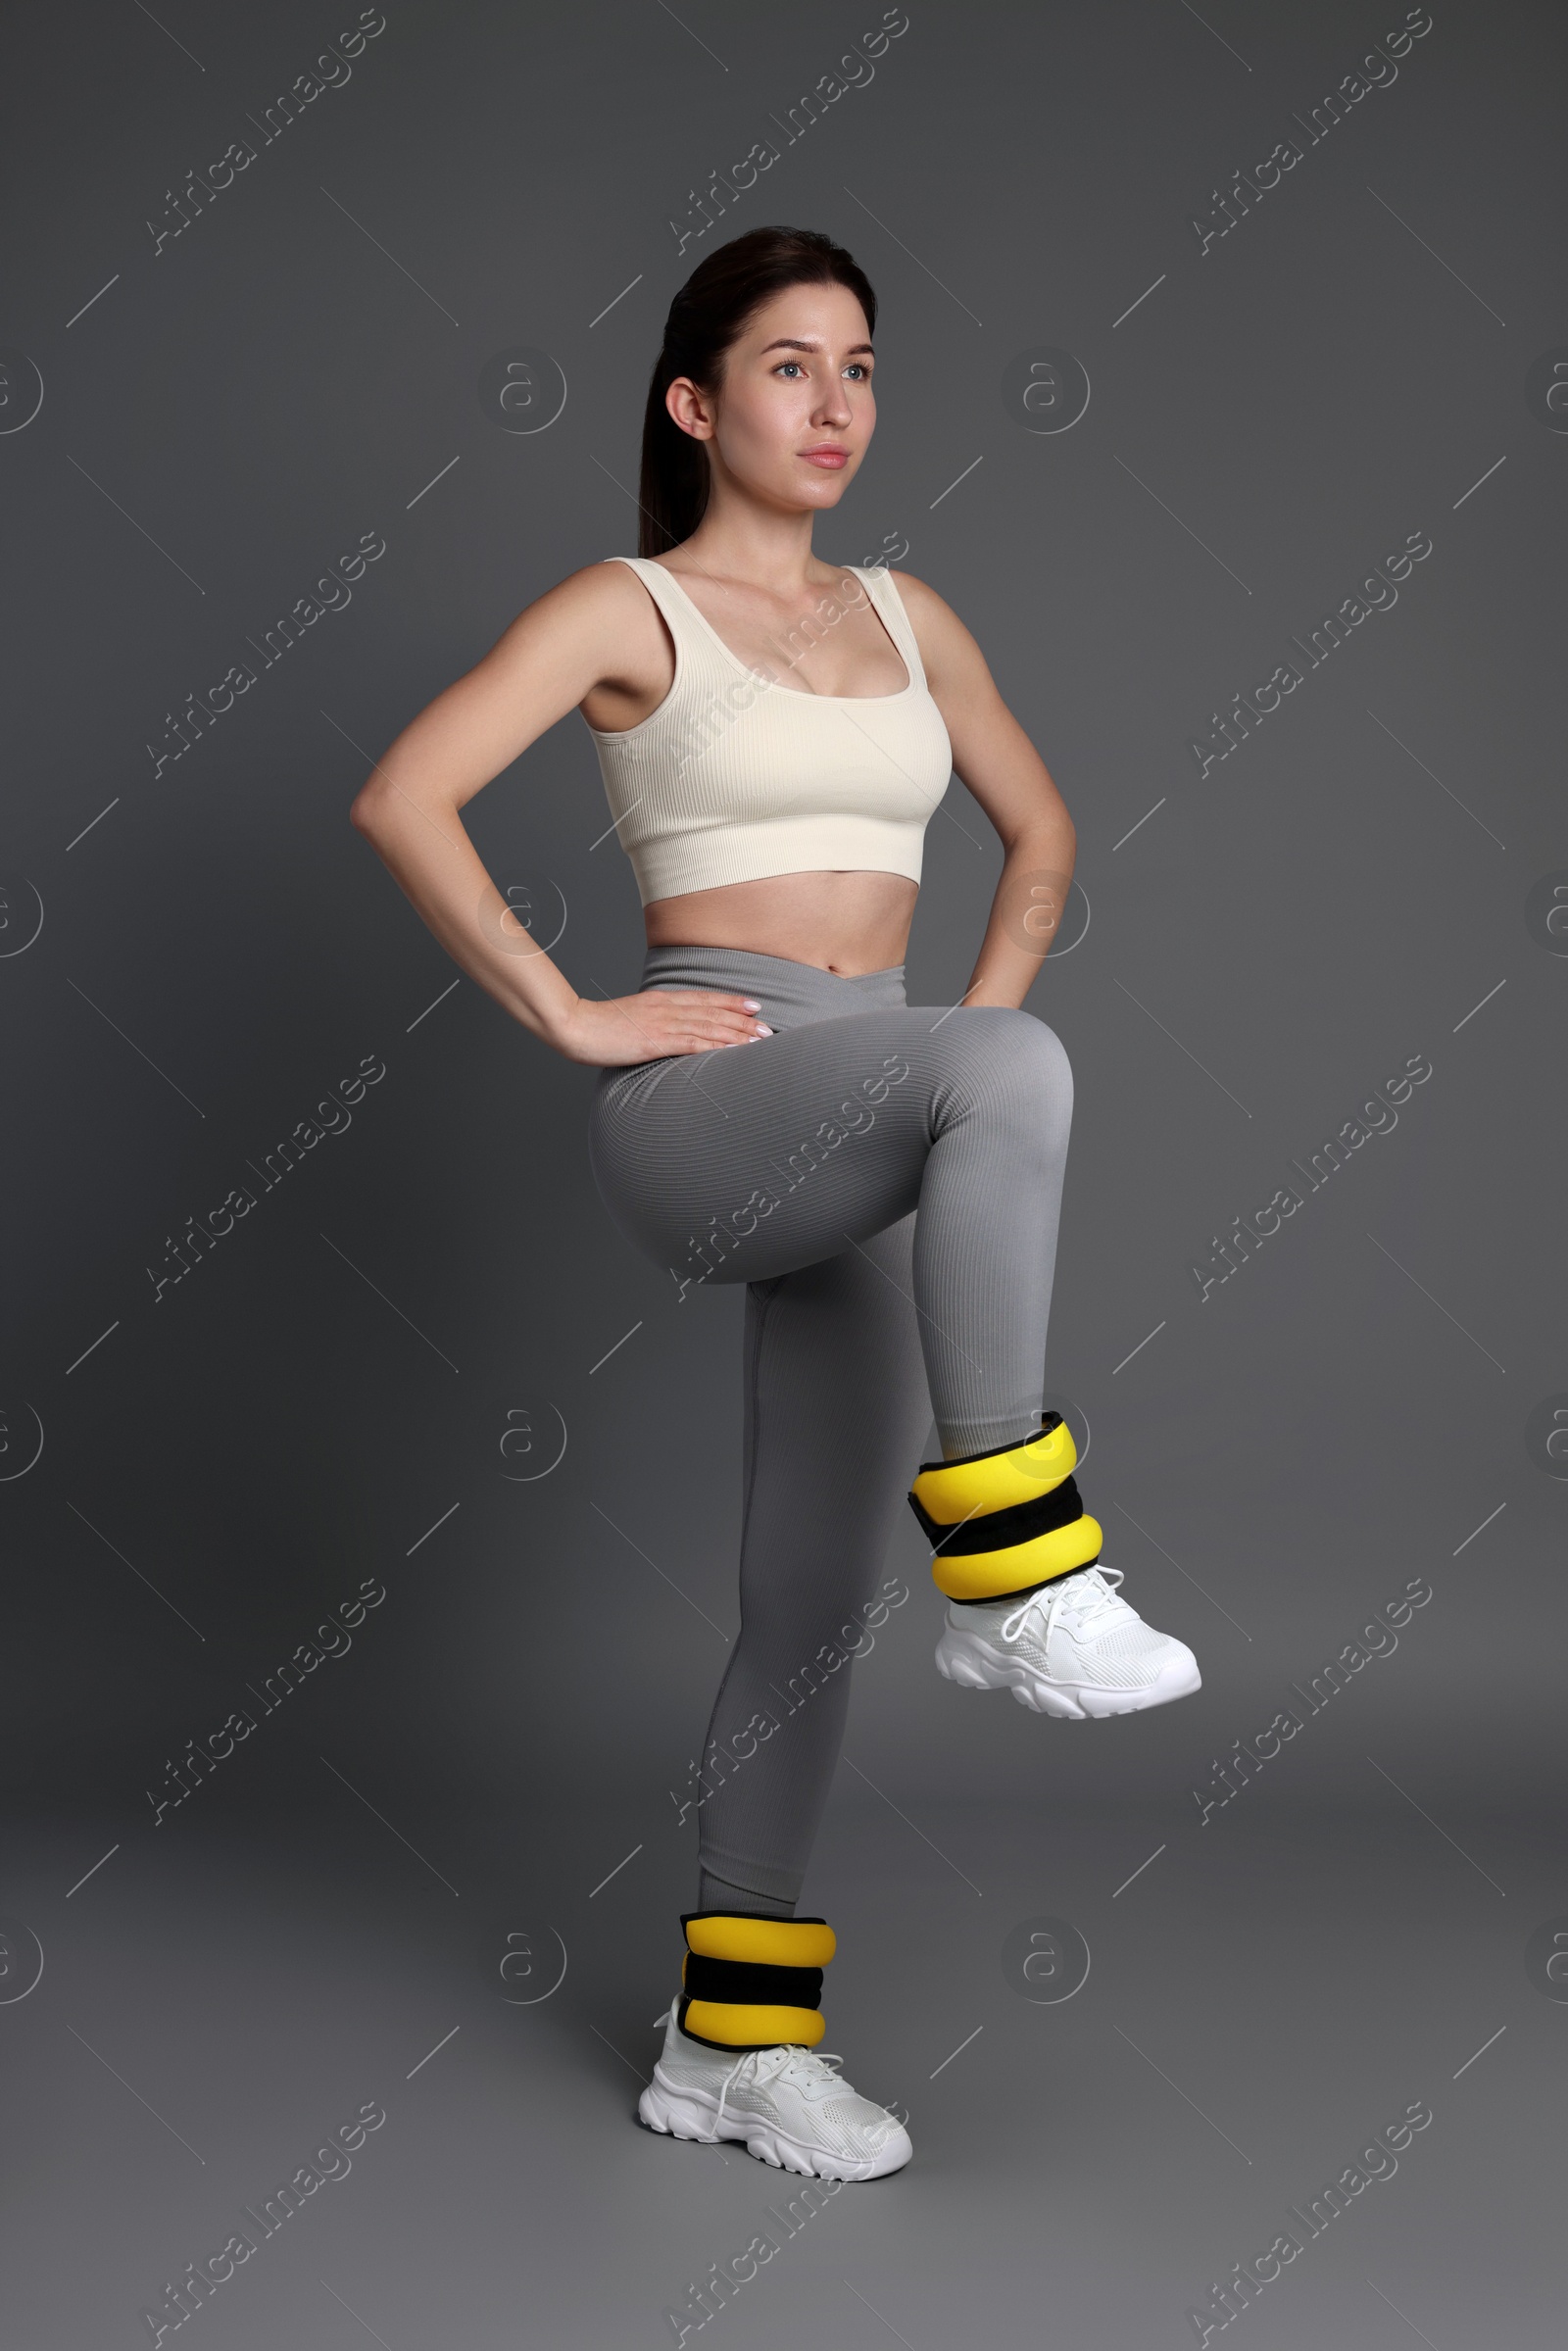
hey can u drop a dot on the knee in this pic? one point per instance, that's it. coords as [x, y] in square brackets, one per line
[1018, 1056]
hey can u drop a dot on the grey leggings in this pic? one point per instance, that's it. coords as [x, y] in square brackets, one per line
[885, 1179]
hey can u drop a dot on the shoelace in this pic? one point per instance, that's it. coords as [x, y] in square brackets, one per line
[1095, 1601]
[812, 2070]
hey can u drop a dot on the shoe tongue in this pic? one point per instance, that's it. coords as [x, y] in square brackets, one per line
[1100, 1605]
[1074, 1586]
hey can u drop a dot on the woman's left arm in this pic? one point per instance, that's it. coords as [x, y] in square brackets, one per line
[995, 759]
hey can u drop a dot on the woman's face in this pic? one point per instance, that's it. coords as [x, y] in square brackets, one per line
[794, 410]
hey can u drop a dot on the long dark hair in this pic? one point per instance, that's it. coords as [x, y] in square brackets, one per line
[707, 314]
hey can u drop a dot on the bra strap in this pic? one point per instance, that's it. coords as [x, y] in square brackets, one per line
[888, 603]
[667, 598]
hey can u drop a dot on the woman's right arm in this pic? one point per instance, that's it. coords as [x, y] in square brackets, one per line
[582, 633]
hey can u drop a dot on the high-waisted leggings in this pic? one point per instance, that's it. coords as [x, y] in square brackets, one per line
[886, 1180]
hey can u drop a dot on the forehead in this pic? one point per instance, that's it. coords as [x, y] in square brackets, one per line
[824, 316]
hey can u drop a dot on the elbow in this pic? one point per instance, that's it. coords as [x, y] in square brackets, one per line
[362, 811]
[1058, 820]
[1064, 838]
[1051, 837]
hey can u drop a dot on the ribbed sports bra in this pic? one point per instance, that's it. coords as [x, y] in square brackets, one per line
[735, 777]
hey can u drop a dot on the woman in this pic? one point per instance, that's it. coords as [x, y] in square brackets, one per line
[774, 734]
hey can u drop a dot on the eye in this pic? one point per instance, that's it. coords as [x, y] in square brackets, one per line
[864, 370]
[786, 364]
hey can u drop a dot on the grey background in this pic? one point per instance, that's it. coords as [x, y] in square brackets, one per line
[327, 1397]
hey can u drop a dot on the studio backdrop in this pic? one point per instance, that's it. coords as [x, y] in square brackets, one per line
[352, 1460]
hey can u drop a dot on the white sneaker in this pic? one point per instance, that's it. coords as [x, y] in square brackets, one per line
[786, 2103]
[1073, 1648]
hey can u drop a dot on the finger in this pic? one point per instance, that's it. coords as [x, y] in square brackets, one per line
[715, 1038]
[716, 999]
[713, 996]
[720, 1027]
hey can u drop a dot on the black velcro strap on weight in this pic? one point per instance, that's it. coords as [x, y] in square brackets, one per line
[746, 1981]
[998, 1530]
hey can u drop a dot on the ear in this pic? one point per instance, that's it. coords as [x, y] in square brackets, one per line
[689, 410]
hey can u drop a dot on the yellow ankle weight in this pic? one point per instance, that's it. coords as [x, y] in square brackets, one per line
[1001, 1520]
[750, 1983]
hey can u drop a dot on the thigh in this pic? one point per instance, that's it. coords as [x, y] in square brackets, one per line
[750, 1162]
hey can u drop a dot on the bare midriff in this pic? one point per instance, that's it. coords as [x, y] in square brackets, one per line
[844, 922]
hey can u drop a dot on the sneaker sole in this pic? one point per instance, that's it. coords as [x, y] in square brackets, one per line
[686, 2114]
[961, 1661]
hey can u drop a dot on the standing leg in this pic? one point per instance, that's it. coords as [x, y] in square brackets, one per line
[836, 1412]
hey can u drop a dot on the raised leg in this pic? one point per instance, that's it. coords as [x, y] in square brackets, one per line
[745, 1163]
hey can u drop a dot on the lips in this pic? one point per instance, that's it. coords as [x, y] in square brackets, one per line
[827, 457]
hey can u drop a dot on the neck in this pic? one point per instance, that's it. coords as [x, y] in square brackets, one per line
[737, 539]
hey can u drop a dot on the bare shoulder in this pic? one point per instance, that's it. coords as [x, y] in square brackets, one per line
[947, 648]
[597, 623]
[928, 610]
[598, 640]
[603, 591]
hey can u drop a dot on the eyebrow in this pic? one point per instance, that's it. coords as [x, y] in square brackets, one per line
[793, 343]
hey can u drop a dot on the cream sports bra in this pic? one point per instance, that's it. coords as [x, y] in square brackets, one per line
[734, 777]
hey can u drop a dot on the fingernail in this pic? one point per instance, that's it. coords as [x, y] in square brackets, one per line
[762, 1029]
[753, 1004]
